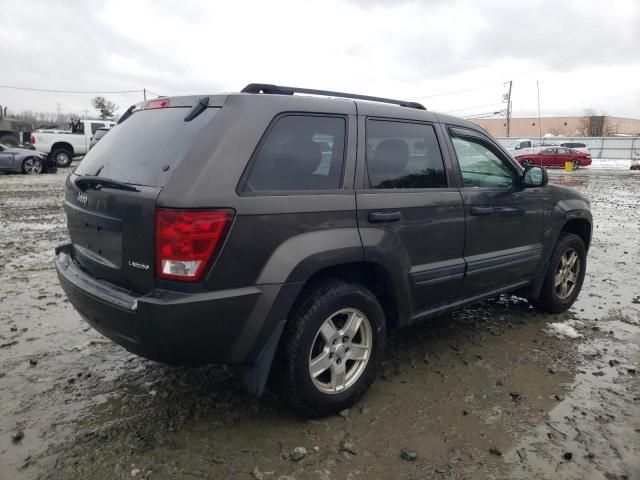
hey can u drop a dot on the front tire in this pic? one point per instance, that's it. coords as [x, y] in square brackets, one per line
[565, 275]
[62, 156]
[576, 164]
[332, 348]
[32, 166]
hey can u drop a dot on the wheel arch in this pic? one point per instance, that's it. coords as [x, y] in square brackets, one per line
[371, 275]
[581, 227]
[63, 145]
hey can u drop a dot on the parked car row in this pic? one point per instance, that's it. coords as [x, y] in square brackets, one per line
[64, 145]
[526, 147]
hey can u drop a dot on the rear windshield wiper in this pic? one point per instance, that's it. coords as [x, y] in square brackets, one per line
[127, 114]
[197, 109]
[87, 181]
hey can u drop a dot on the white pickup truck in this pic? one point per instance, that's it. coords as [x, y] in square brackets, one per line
[63, 145]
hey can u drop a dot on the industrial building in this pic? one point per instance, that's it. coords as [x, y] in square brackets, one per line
[565, 126]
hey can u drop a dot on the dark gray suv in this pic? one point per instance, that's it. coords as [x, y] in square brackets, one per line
[267, 227]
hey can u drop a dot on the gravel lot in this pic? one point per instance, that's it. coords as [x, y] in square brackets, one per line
[483, 393]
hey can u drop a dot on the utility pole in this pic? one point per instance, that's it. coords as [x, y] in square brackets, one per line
[539, 125]
[144, 93]
[509, 109]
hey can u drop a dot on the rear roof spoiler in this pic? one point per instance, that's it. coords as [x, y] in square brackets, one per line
[268, 89]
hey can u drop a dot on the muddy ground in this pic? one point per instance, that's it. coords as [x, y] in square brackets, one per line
[483, 393]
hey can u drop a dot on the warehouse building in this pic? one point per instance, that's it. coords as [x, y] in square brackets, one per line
[595, 126]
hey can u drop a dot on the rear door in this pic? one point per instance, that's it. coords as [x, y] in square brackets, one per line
[504, 222]
[410, 216]
[111, 197]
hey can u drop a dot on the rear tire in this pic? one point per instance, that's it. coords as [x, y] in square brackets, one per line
[332, 348]
[62, 156]
[565, 275]
[527, 162]
[32, 166]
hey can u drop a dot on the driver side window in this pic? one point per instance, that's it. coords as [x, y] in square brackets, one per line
[480, 167]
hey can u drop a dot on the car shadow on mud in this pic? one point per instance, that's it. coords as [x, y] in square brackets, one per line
[448, 389]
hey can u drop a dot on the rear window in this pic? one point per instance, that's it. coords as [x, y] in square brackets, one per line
[403, 155]
[298, 153]
[146, 148]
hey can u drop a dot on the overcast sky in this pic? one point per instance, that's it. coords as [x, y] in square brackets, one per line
[586, 54]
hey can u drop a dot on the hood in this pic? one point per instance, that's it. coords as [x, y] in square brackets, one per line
[22, 151]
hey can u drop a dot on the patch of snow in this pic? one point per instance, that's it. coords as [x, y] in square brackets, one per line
[564, 329]
[610, 163]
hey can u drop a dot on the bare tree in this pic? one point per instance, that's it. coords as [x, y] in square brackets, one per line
[594, 125]
[45, 119]
[106, 108]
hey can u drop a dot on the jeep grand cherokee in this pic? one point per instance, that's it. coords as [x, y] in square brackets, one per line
[288, 233]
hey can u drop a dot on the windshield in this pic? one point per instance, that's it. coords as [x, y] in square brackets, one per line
[146, 148]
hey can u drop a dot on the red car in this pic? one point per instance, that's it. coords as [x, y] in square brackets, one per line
[555, 157]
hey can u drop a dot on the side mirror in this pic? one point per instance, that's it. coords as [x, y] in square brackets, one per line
[534, 177]
[518, 147]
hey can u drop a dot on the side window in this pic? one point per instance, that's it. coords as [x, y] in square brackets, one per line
[403, 155]
[549, 151]
[95, 127]
[480, 167]
[299, 152]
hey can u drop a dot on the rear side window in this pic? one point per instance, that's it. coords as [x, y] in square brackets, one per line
[298, 153]
[403, 155]
[146, 148]
[96, 126]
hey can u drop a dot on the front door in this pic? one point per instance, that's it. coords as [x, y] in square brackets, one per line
[410, 217]
[504, 222]
[6, 160]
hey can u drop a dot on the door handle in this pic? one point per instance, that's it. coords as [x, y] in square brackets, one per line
[510, 210]
[478, 211]
[384, 217]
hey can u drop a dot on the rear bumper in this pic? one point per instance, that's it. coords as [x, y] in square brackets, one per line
[224, 326]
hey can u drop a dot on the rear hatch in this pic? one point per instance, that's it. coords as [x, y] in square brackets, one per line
[111, 197]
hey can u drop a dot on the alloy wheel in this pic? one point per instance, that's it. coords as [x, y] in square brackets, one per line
[567, 273]
[32, 166]
[340, 351]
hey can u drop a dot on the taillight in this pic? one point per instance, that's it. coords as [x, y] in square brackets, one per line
[187, 240]
[32, 140]
[160, 103]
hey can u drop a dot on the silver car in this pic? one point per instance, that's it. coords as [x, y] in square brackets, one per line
[23, 160]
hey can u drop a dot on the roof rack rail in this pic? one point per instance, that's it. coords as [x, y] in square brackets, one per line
[280, 90]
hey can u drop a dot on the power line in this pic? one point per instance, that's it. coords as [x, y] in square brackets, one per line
[459, 91]
[12, 87]
[471, 108]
